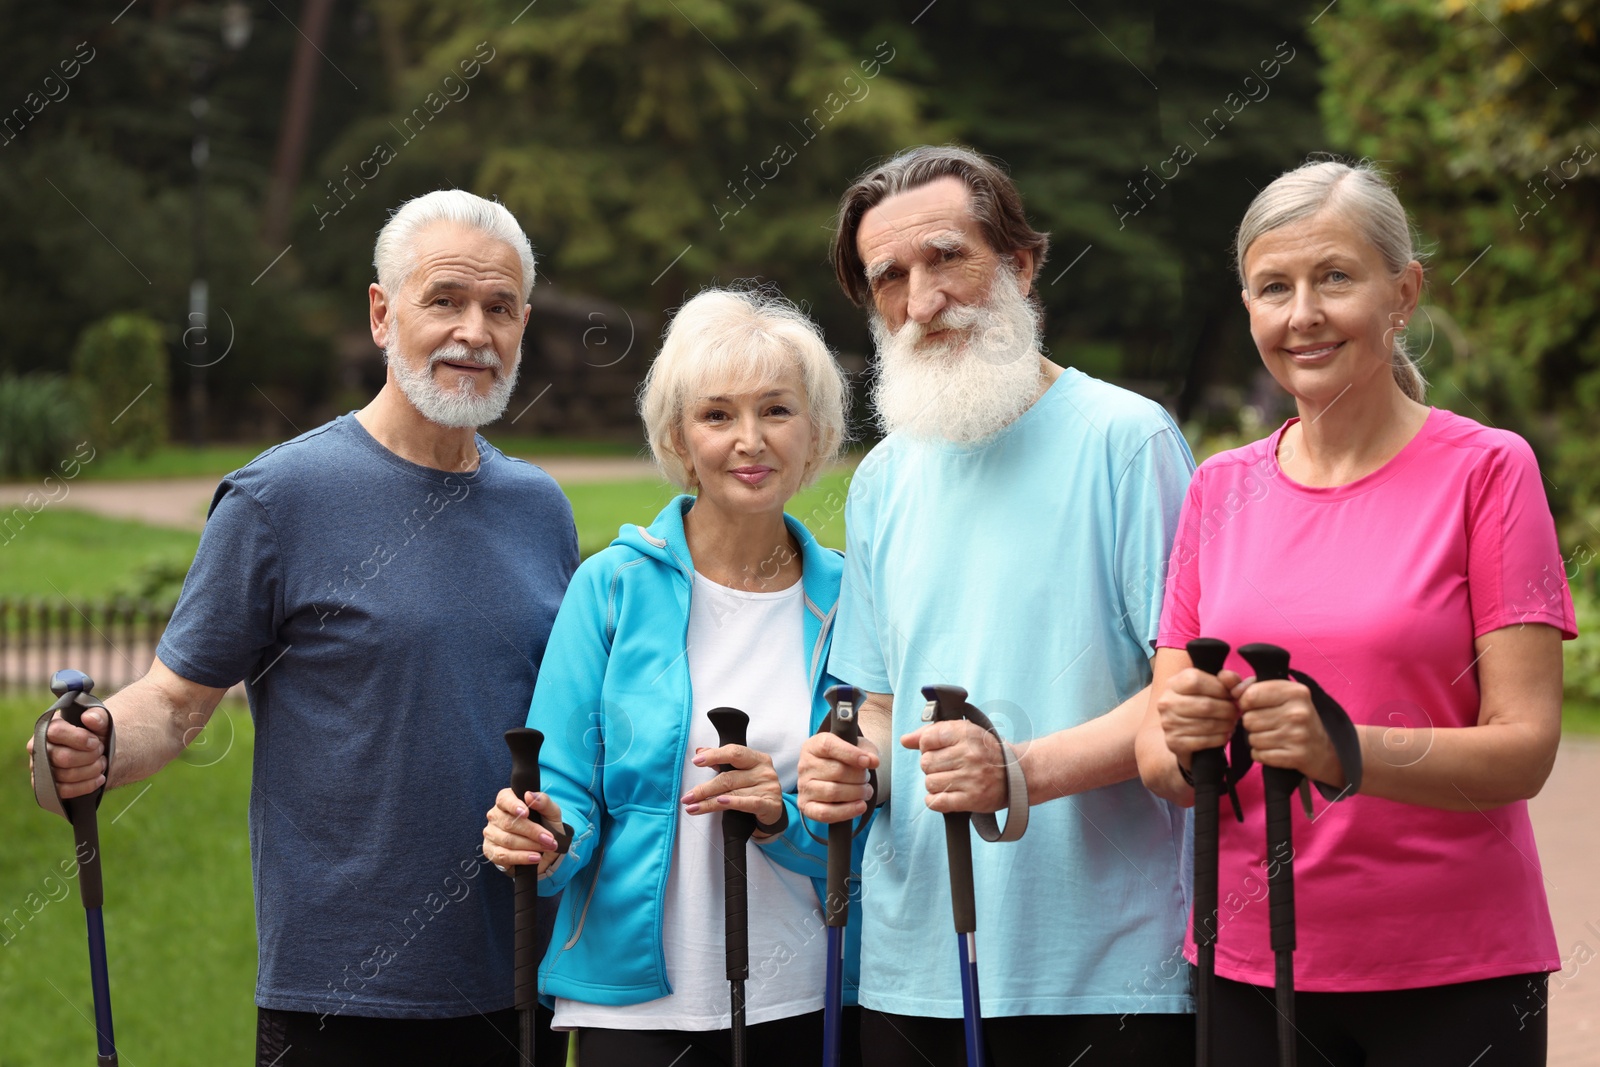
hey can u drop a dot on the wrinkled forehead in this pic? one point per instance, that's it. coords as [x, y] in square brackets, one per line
[448, 254]
[1329, 236]
[935, 215]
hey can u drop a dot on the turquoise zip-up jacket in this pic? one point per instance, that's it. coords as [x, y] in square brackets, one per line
[613, 701]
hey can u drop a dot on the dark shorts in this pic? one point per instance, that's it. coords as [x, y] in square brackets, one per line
[792, 1042]
[307, 1039]
[1496, 1022]
[1030, 1040]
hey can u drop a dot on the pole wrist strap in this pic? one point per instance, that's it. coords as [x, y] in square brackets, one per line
[45, 790]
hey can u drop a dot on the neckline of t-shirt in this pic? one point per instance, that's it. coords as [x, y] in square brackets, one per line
[749, 594]
[1058, 387]
[1367, 482]
[486, 454]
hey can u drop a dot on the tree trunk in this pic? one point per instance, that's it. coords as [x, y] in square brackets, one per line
[297, 107]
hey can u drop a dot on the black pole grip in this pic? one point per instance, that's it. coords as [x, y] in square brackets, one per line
[1207, 768]
[737, 826]
[1280, 858]
[524, 744]
[1271, 663]
[958, 847]
[81, 812]
[1208, 655]
[846, 726]
[949, 704]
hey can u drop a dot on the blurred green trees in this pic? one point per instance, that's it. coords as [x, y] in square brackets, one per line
[1486, 114]
[653, 147]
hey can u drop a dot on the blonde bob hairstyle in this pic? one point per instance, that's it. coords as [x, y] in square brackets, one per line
[1362, 195]
[734, 340]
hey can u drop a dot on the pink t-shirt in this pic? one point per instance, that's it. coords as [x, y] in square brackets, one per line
[1378, 589]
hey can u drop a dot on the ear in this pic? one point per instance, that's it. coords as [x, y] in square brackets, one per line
[527, 313]
[1410, 288]
[1024, 260]
[1244, 298]
[680, 450]
[379, 314]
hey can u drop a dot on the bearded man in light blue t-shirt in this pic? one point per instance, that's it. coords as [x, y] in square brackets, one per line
[1009, 536]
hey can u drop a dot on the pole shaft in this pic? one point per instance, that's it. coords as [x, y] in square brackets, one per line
[524, 744]
[736, 995]
[833, 1007]
[1285, 997]
[970, 1001]
[1271, 663]
[100, 980]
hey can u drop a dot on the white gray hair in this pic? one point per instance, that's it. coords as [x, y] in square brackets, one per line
[394, 257]
[740, 335]
[1363, 195]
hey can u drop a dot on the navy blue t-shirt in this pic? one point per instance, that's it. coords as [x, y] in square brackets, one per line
[388, 621]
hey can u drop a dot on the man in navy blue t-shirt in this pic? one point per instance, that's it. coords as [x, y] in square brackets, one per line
[384, 586]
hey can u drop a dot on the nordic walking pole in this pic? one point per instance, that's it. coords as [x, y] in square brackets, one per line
[845, 724]
[74, 691]
[524, 744]
[1271, 663]
[1208, 655]
[945, 704]
[737, 826]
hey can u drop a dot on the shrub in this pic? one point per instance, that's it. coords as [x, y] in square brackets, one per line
[39, 424]
[120, 368]
[1581, 658]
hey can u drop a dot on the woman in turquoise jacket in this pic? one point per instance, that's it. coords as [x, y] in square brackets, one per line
[723, 601]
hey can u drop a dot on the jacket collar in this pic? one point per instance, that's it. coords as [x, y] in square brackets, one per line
[821, 568]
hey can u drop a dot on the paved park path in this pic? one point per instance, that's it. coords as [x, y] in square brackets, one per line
[1563, 814]
[182, 502]
[1569, 849]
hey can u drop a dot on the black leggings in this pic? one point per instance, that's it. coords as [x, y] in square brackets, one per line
[1496, 1022]
[795, 1041]
[307, 1039]
[1030, 1040]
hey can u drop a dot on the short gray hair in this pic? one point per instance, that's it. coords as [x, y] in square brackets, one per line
[394, 255]
[741, 335]
[1363, 195]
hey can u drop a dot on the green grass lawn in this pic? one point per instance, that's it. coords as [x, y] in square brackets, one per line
[62, 552]
[67, 553]
[182, 461]
[180, 927]
[599, 508]
[179, 912]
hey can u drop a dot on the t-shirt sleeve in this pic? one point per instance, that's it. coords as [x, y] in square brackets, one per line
[232, 603]
[1180, 610]
[1149, 499]
[1515, 574]
[856, 654]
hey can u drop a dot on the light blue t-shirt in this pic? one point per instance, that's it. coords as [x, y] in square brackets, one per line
[1027, 569]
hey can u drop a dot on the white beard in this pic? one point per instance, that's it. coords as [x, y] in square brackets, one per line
[461, 407]
[969, 387]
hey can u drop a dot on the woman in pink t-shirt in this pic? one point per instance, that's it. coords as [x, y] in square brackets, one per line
[1406, 558]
